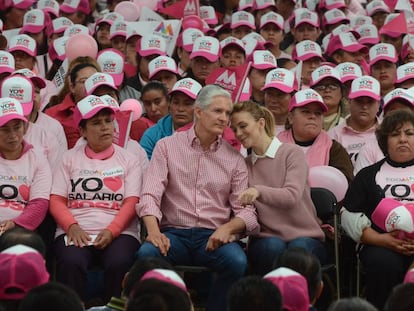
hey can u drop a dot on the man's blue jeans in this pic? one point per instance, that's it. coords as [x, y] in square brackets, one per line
[188, 247]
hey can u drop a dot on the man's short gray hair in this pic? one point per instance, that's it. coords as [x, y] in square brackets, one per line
[207, 93]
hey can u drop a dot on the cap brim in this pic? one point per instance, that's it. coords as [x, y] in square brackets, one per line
[9, 117]
[152, 74]
[282, 87]
[307, 102]
[210, 57]
[242, 23]
[355, 48]
[270, 22]
[264, 66]
[184, 91]
[386, 58]
[93, 89]
[23, 49]
[151, 52]
[308, 56]
[307, 22]
[32, 29]
[364, 93]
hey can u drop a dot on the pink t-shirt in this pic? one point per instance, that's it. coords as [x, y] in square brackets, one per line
[96, 189]
[22, 180]
[369, 154]
[52, 125]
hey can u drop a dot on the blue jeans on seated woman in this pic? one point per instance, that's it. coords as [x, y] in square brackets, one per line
[188, 247]
[264, 252]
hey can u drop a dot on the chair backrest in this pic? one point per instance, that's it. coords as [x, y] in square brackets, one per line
[324, 201]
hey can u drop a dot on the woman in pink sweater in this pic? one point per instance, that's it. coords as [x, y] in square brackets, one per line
[278, 188]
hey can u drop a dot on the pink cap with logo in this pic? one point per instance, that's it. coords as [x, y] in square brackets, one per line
[348, 71]
[208, 14]
[6, 62]
[360, 20]
[21, 268]
[23, 43]
[167, 276]
[306, 49]
[118, 28]
[34, 21]
[88, 107]
[263, 60]
[58, 25]
[281, 79]
[400, 94]
[109, 19]
[72, 6]
[188, 86]
[151, 44]
[76, 29]
[110, 101]
[368, 34]
[305, 16]
[244, 5]
[10, 109]
[293, 288]
[345, 41]
[36, 80]
[324, 72]
[49, 6]
[272, 18]
[263, 4]
[306, 97]
[242, 18]
[20, 88]
[207, 47]
[334, 16]
[342, 28]
[382, 51]
[405, 72]
[98, 79]
[162, 63]
[377, 6]
[57, 49]
[232, 41]
[365, 86]
[252, 42]
[112, 62]
[21, 4]
[333, 4]
[187, 37]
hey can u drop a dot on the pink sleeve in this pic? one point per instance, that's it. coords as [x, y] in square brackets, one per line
[60, 212]
[124, 216]
[33, 214]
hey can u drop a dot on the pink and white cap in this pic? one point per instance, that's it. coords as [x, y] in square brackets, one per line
[281, 79]
[36, 80]
[272, 18]
[88, 107]
[76, 29]
[49, 6]
[21, 4]
[252, 42]
[99, 79]
[187, 38]
[23, 43]
[110, 101]
[167, 276]
[10, 109]
[391, 215]
[20, 88]
[109, 19]
[306, 97]
[333, 4]
[72, 6]
[245, 4]
[334, 16]
[263, 60]
[365, 86]
[33, 21]
[360, 20]
[188, 86]
[208, 14]
[341, 28]
[344, 41]
[324, 72]
[59, 25]
[6, 62]
[263, 4]
[242, 18]
[207, 47]
[293, 288]
[368, 34]
[118, 29]
[377, 6]
[57, 50]
[112, 62]
[151, 44]
[398, 93]
[162, 63]
[131, 32]
[348, 71]
[307, 49]
[303, 15]
[405, 72]
[232, 41]
[382, 51]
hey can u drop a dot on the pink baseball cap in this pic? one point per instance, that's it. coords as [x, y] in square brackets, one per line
[10, 109]
[306, 97]
[23, 43]
[365, 86]
[57, 50]
[252, 42]
[334, 16]
[306, 49]
[6, 62]
[391, 215]
[333, 4]
[342, 28]
[360, 20]
[118, 28]
[187, 37]
[131, 32]
[167, 276]
[263, 60]
[398, 93]
[76, 29]
[112, 62]
[303, 15]
[324, 72]
[293, 288]
[208, 14]
[58, 25]
[72, 6]
[188, 86]
[232, 41]
[34, 21]
[21, 4]
[382, 51]
[151, 44]
[368, 34]
[36, 80]
[88, 107]
[344, 41]
[99, 79]
[108, 99]
[263, 4]
[405, 72]
[207, 47]
[21, 268]
[244, 5]
[20, 88]
[49, 6]
[242, 18]
[348, 71]
[377, 6]
[281, 79]
[162, 63]
[272, 18]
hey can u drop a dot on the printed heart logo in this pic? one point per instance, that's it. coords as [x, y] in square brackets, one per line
[113, 183]
[24, 191]
[113, 65]
[21, 91]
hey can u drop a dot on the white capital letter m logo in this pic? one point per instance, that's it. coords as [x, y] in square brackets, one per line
[226, 79]
[190, 6]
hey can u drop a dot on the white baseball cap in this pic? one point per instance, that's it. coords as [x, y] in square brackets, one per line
[10, 109]
[306, 97]
[188, 86]
[303, 15]
[34, 21]
[377, 6]
[20, 88]
[263, 59]
[112, 62]
[118, 28]
[151, 44]
[242, 18]
[382, 51]
[368, 34]
[324, 72]
[348, 71]
[405, 72]
[89, 107]
[307, 49]
[334, 16]
[23, 43]
[6, 62]
[365, 86]
[162, 63]
[207, 47]
[281, 79]
[99, 79]
[272, 18]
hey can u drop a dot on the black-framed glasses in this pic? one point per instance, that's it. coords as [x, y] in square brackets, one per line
[325, 87]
